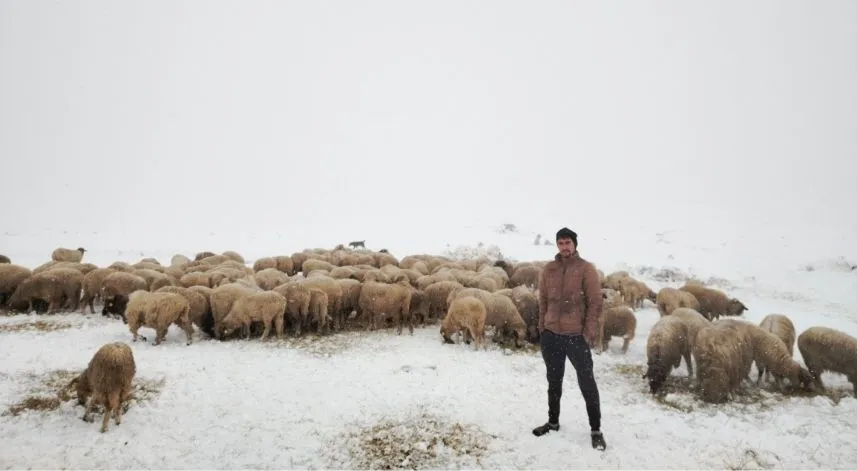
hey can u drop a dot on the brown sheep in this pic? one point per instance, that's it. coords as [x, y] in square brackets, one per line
[693, 320]
[334, 297]
[298, 299]
[10, 277]
[612, 298]
[91, 288]
[825, 349]
[635, 292]
[223, 297]
[390, 299]
[179, 260]
[203, 255]
[200, 307]
[195, 279]
[350, 297]
[502, 314]
[782, 327]
[466, 313]
[714, 303]
[57, 287]
[724, 353]
[121, 266]
[264, 263]
[158, 311]
[270, 278]
[266, 307]
[121, 284]
[419, 306]
[318, 304]
[615, 322]
[772, 356]
[525, 276]
[668, 299]
[5, 259]
[668, 343]
[233, 255]
[61, 254]
[527, 304]
[107, 381]
[154, 279]
[438, 294]
[315, 264]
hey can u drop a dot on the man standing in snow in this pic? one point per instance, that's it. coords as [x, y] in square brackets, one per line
[569, 313]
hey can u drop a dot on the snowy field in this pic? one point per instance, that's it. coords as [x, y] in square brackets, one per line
[344, 400]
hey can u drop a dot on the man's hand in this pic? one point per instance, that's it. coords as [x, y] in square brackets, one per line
[590, 341]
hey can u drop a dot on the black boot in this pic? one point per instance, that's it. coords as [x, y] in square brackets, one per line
[598, 441]
[543, 429]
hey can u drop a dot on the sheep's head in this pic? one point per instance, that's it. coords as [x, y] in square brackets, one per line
[82, 387]
[445, 333]
[657, 375]
[736, 308]
[713, 386]
[805, 379]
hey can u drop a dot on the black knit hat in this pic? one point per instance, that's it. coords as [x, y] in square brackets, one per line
[566, 233]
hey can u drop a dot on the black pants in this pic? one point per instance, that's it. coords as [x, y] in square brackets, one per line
[555, 349]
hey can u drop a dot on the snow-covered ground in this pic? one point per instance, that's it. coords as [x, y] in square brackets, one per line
[339, 401]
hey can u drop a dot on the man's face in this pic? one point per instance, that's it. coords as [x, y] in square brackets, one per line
[565, 246]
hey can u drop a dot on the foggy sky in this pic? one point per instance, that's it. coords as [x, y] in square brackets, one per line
[164, 119]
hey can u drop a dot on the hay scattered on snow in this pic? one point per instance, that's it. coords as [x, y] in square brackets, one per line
[39, 325]
[420, 441]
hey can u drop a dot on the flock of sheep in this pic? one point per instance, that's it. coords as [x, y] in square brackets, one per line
[330, 290]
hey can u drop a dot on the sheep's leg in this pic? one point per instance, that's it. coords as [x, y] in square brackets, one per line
[87, 413]
[687, 362]
[188, 329]
[625, 345]
[399, 323]
[266, 331]
[160, 335]
[411, 325]
[761, 372]
[279, 326]
[111, 404]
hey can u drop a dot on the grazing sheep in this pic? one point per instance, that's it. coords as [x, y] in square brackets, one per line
[157, 311]
[203, 255]
[668, 299]
[61, 254]
[714, 303]
[612, 298]
[58, 287]
[389, 299]
[265, 307]
[121, 266]
[315, 264]
[334, 297]
[298, 299]
[10, 277]
[825, 349]
[724, 352]
[195, 279]
[525, 276]
[419, 306]
[121, 284]
[106, 381]
[615, 322]
[233, 255]
[772, 356]
[782, 327]
[200, 307]
[466, 313]
[5, 259]
[693, 320]
[264, 263]
[502, 314]
[668, 343]
[91, 287]
[613, 280]
[634, 292]
[527, 304]
[154, 279]
[350, 297]
[438, 294]
[270, 278]
[318, 302]
[222, 298]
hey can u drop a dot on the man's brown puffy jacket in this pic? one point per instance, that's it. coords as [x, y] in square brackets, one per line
[570, 297]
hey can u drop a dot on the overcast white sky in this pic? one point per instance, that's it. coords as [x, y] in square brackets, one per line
[213, 116]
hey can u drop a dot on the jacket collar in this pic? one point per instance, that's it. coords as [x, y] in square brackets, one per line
[574, 256]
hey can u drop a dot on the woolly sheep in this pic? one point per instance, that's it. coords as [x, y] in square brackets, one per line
[200, 307]
[782, 327]
[107, 381]
[315, 264]
[298, 299]
[179, 260]
[121, 266]
[266, 307]
[285, 264]
[203, 255]
[233, 255]
[525, 276]
[612, 298]
[390, 299]
[154, 279]
[772, 356]
[59, 287]
[419, 306]
[222, 298]
[319, 315]
[466, 313]
[119, 284]
[714, 303]
[668, 343]
[724, 353]
[264, 263]
[612, 280]
[825, 349]
[615, 322]
[91, 287]
[334, 297]
[350, 296]
[527, 304]
[4, 259]
[11, 276]
[668, 299]
[693, 320]
[270, 278]
[502, 314]
[438, 294]
[635, 291]
[143, 264]
[158, 311]
[195, 279]
[61, 254]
